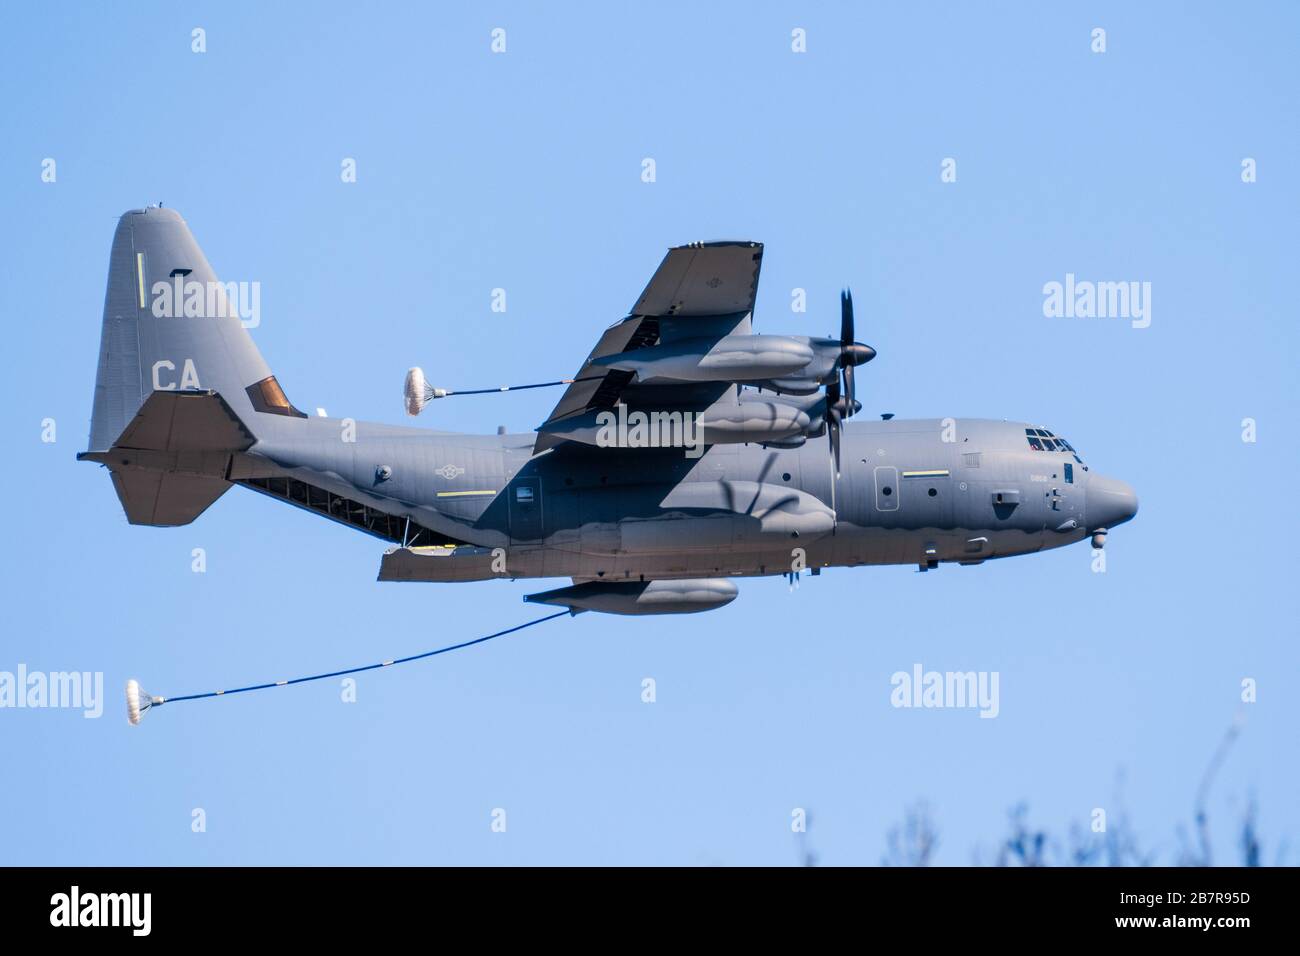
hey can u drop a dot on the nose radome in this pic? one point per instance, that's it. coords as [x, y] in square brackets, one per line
[1110, 502]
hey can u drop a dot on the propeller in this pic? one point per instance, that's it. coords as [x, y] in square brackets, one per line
[852, 353]
[841, 398]
[835, 409]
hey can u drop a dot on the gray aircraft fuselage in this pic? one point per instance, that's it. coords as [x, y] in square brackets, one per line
[185, 407]
[905, 495]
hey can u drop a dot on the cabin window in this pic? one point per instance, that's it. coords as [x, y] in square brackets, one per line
[524, 493]
[1069, 473]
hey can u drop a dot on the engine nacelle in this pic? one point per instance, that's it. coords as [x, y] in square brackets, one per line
[724, 423]
[687, 596]
[753, 421]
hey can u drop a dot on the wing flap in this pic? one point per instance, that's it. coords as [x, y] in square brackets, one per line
[463, 563]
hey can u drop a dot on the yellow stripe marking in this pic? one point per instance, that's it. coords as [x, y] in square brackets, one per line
[934, 473]
[139, 275]
[461, 494]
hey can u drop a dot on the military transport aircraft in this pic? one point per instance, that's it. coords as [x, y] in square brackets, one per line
[680, 456]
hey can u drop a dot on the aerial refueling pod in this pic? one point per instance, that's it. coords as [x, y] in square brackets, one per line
[732, 358]
[641, 597]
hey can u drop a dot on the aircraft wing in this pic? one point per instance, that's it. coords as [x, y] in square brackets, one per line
[701, 290]
[703, 279]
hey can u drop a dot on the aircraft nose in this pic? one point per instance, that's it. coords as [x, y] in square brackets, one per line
[1110, 502]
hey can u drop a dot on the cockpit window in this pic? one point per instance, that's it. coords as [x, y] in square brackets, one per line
[1040, 439]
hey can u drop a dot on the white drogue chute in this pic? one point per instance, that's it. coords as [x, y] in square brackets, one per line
[418, 392]
[137, 701]
[414, 390]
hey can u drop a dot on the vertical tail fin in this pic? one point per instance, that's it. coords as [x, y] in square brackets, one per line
[168, 325]
[178, 375]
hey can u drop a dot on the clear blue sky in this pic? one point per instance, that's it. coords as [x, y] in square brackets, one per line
[522, 171]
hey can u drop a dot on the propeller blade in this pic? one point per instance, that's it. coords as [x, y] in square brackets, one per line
[851, 352]
[846, 318]
[833, 431]
[832, 399]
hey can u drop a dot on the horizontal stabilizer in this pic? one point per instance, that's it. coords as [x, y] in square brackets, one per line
[165, 500]
[170, 462]
[185, 421]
